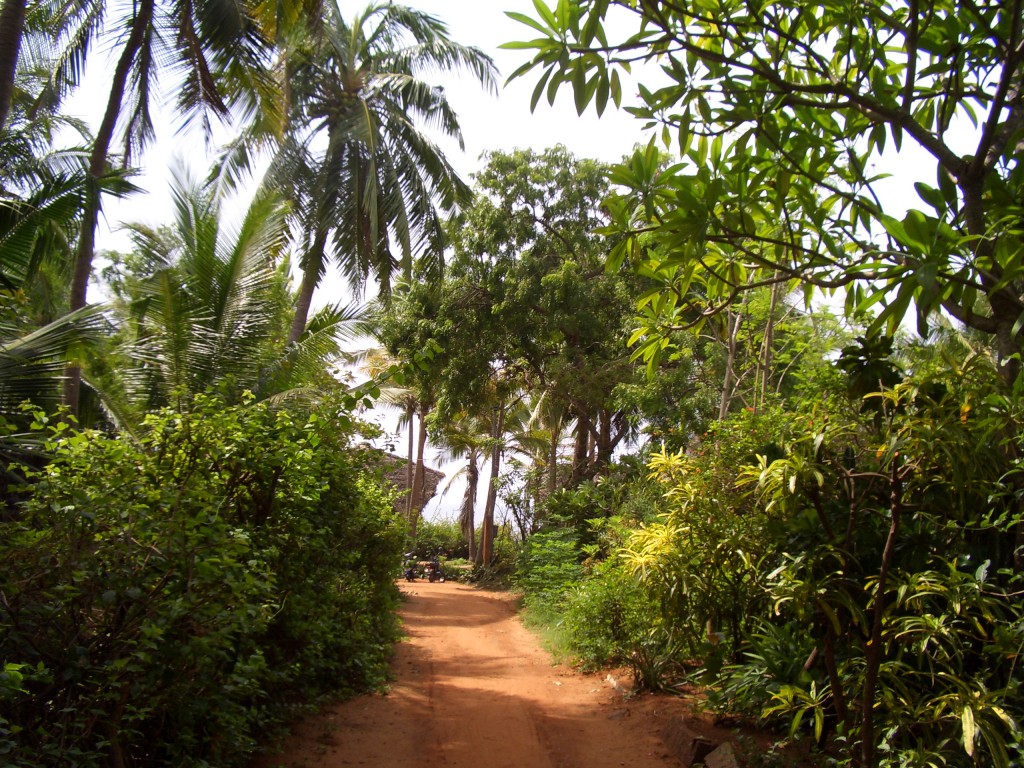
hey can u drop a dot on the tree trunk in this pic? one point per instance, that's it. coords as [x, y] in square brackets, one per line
[767, 350]
[553, 457]
[417, 481]
[311, 267]
[410, 413]
[873, 649]
[604, 440]
[12, 19]
[467, 513]
[732, 330]
[487, 535]
[97, 168]
[581, 450]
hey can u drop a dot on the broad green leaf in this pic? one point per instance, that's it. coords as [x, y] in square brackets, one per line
[546, 14]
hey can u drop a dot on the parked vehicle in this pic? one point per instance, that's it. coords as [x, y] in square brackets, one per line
[434, 572]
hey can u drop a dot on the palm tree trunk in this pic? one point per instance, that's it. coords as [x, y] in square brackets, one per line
[311, 266]
[97, 168]
[417, 480]
[12, 19]
[487, 535]
[410, 413]
[467, 521]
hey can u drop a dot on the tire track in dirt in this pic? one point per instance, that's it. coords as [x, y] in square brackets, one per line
[472, 688]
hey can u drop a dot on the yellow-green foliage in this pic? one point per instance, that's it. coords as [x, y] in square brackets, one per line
[702, 560]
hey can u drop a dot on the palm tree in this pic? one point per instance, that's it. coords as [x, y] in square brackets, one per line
[42, 191]
[208, 307]
[32, 360]
[379, 366]
[216, 49]
[466, 437]
[357, 167]
[12, 19]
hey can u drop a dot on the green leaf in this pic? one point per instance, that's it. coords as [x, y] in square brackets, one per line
[970, 730]
[616, 88]
[602, 94]
[579, 88]
[546, 14]
[831, 616]
[524, 19]
[539, 89]
[931, 196]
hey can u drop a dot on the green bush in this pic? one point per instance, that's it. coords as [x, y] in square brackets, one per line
[896, 577]
[438, 538]
[608, 616]
[168, 600]
[548, 567]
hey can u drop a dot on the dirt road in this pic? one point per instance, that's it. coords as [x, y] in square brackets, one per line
[472, 687]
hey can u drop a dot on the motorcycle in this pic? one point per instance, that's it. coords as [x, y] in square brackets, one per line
[434, 572]
[410, 567]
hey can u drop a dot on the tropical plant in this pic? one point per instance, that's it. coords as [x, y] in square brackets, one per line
[367, 185]
[780, 115]
[204, 306]
[32, 360]
[466, 437]
[221, 56]
[166, 603]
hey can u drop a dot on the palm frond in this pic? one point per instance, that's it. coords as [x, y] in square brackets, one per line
[32, 364]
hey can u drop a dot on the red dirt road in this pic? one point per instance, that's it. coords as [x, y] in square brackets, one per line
[472, 687]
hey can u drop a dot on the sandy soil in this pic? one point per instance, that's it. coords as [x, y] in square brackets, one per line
[472, 687]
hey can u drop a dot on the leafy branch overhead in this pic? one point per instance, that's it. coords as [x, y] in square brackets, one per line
[785, 119]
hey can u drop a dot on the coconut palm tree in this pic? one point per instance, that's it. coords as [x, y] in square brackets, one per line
[205, 306]
[32, 360]
[216, 50]
[379, 366]
[466, 437]
[42, 191]
[368, 186]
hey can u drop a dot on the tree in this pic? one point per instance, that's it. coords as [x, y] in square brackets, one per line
[361, 172]
[380, 366]
[404, 328]
[779, 113]
[529, 294]
[12, 17]
[221, 55]
[32, 359]
[204, 306]
[466, 437]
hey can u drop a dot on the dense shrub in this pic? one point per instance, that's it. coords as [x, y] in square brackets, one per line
[860, 566]
[548, 567]
[703, 559]
[850, 571]
[576, 588]
[608, 616]
[439, 538]
[167, 599]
